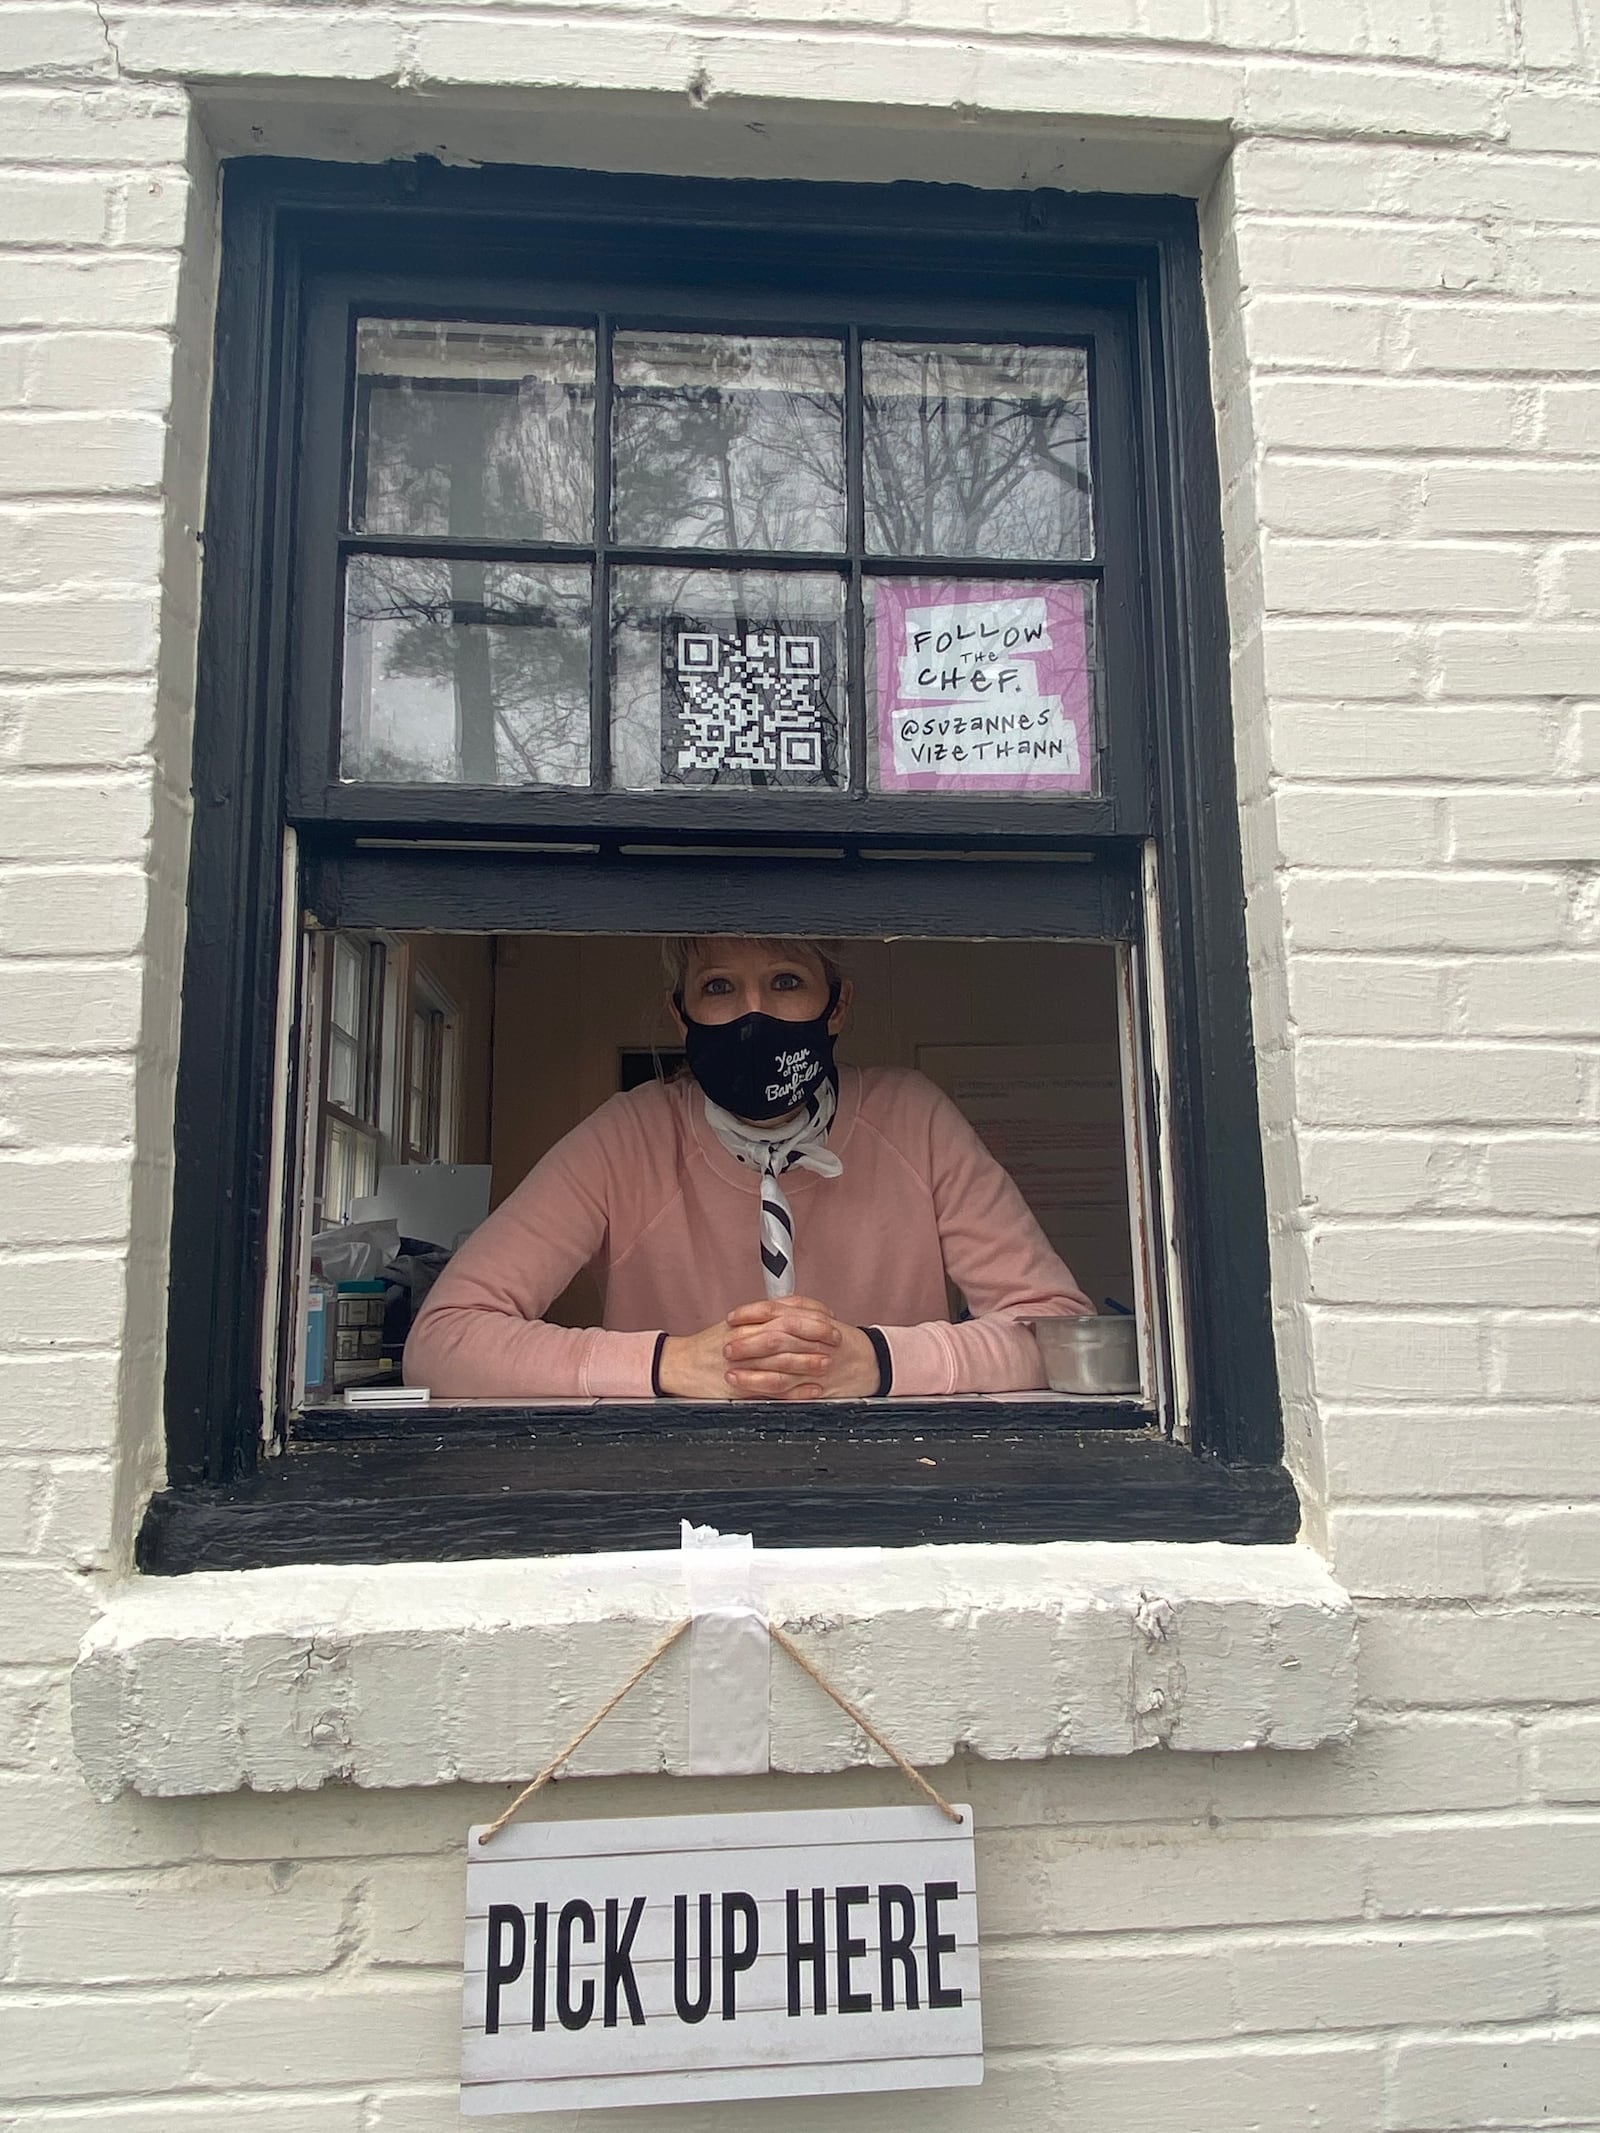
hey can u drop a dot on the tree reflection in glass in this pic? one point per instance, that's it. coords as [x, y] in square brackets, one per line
[976, 451]
[465, 673]
[728, 441]
[480, 432]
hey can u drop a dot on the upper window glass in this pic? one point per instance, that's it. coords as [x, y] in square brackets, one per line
[726, 441]
[628, 560]
[475, 432]
[977, 451]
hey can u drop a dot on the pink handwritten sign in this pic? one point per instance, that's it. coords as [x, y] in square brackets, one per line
[983, 687]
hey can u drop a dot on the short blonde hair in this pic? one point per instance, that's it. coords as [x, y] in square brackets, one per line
[677, 953]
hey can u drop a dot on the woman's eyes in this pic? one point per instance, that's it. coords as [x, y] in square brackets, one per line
[781, 981]
[787, 981]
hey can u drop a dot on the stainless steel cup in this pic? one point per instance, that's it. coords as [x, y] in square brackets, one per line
[1093, 1357]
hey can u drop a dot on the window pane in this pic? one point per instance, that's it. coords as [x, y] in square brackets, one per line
[727, 678]
[977, 451]
[465, 673]
[727, 442]
[980, 686]
[475, 431]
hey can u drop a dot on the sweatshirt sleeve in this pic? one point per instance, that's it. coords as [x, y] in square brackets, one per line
[1000, 1259]
[482, 1333]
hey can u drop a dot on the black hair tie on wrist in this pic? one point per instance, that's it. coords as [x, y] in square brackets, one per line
[655, 1367]
[880, 1348]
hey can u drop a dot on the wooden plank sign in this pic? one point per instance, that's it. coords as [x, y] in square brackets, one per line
[695, 1957]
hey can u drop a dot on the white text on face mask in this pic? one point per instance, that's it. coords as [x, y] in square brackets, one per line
[795, 1067]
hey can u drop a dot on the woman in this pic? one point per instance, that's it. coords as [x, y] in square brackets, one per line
[775, 1228]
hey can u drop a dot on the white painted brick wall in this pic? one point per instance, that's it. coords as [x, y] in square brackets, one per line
[1402, 1933]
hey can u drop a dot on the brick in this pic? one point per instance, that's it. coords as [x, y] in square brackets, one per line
[130, 372]
[1504, 338]
[79, 455]
[1303, 254]
[1571, 418]
[41, 819]
[1575, 589]
[22, 1491]
[82, 911]
[1284, 97]
[105, 289]
[1173, 1879]
[341, 2034]
[42, 208]
[324, 2112]
[114, 128]
[1058, 1999]
[1559, 1551]
[1360, 1356]
[1564, 1754]
[1537, 827]
[1553, 263]
[52, 1201]
[1575, 1949]
[1523, 2080]
[1370, 995]
[1543, 1174]
[77, 1528]
[1453, 1660]
[1531, 995]
[1331, 826]
[46, 1611]
[207, 1922]
[1508, 498]
[155, 210]
[77, 635]
[1537, 659]
[1421, 1764]
[1411, 911]
[1405, 1554]
[1355, 740]
[1325, 496]
[1384, 414]
[1321, 332]
[1335, 659]
[1337, 2089]
[1503, 1452]
[1349, 1081]
[306, 43]
[84, 2047]
[1348, 1172]
[55, 40]
[80, 723]
[1453, 1262]
[42, 547]
[1398, 577]
[1548, 1356]
[1551, 32]
[62, 1298]
[58, 1403]
[63, 1007]
[1382, 1979]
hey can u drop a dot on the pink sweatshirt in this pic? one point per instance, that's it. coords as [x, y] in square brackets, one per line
[645, 1193]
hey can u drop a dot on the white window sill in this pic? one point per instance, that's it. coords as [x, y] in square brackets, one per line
[428, 1673]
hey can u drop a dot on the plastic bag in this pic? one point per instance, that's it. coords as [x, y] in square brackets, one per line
[358, 1251]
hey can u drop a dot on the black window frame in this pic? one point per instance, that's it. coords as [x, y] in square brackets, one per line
[299, 237]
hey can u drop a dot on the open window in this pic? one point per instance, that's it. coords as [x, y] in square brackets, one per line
[592, 561]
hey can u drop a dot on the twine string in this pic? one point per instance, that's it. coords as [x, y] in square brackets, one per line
[786, 1643]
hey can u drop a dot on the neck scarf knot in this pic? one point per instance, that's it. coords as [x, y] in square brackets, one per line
[802, 1143]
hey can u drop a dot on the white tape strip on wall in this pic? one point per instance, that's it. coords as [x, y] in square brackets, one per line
[730, 1655]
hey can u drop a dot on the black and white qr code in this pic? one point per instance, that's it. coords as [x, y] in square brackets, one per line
[752, 701]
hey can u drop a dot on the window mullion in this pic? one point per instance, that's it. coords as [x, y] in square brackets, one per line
[855, 543]
[600, 625]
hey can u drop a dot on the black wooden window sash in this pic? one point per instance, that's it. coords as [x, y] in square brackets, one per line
[308, 249]
[331, 420]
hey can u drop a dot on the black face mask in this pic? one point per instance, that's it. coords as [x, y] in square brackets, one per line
[760, 1066]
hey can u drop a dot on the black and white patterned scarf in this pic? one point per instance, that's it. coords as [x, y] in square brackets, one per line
[803, 1143]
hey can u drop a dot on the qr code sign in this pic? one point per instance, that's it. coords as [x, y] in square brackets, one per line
[747, 701]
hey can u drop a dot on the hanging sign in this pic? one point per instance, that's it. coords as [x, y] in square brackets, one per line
[983, 687]
[696, 1957]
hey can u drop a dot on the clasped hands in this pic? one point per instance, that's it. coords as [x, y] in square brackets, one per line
[783, 1348]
